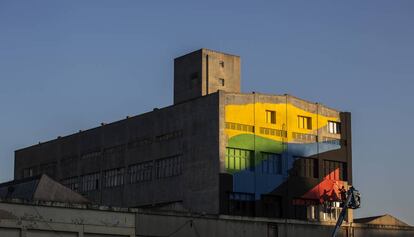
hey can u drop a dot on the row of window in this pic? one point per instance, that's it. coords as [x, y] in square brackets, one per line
[312, 210]
[240, 127]
[280, 133]
[162, 168]
[331, 140]
[304, 137]
[308, 167]
[271, 163]
[49, 169]
[95, 154]
[244, 204]
[241, 159]
[304, 122]
[273, 132]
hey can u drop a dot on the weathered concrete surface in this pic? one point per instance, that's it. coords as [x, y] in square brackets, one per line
[30, 220]
[59, 219]
[203, 72]
[179, 224]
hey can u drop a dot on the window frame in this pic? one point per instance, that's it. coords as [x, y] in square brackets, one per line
[333, 127]
[304, 122]
[270, 116]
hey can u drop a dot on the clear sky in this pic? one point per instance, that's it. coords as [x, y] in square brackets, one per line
[70, 65]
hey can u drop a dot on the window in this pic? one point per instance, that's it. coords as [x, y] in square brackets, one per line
[304, 137]
[239, 159]
[305, 208]
[141, 172]
[221, 81]
[305, 167]
[168, 167]
[114, 177]
[271, 163]
[27, 172]
[138, 142]
[335, 170]
[240, 127]
[70, 164]
[304, 122]
[169, 136]
[272, 205]
[90, 182]
[91, 155]
[241, 204]
[71, 183]
[334, 127]
[222, 64]
[331, 140]
[194, 79]
[114, 151]
[271, 116]
[273, 132]
[48, 169]
[330, 211]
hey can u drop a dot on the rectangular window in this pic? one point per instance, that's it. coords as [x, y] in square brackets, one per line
[304, 122]
[221, 81]
[241, 204]
[304, 137]
[272, 205]
[114, 177]
[305, 167]
[335, 170]
[168, 167]
[91, 155]
[194, 81]
[240, 127]
[271, 116]
[72, 183]
[90, 182]
[306, 209]
[331, 140]
[48, 169]
[169, 136]
[28, 172]
[239, 159]
[334, 127]
[141, 172]
[139, 142]
[70, 164]
[271, 163]
[273, 132]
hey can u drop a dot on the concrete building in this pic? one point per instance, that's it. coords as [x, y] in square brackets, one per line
[215, 150]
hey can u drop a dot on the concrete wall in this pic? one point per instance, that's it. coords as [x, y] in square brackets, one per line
[188, 130]
[58, 219]
[27, 220]
[204, 72]
[175, 224]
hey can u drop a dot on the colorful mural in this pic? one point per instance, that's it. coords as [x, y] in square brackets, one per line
[256, 143]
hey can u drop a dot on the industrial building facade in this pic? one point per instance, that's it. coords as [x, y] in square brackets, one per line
[216, 151]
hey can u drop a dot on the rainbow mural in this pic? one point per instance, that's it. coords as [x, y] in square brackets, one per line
[249, 132]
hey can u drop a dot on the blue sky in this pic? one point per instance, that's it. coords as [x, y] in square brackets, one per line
[70, 65]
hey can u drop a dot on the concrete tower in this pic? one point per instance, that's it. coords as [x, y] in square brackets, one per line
[203, 72]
